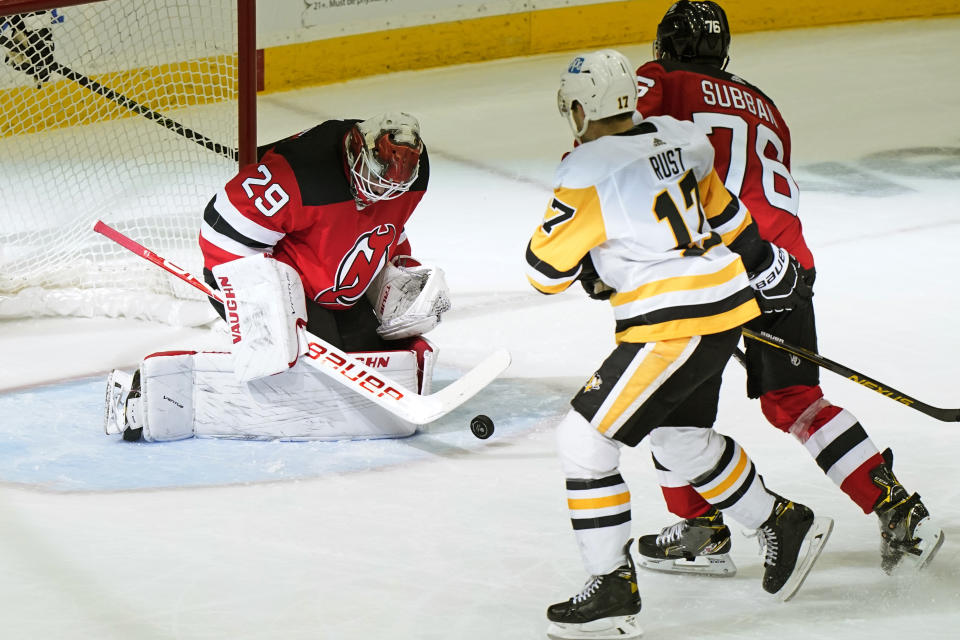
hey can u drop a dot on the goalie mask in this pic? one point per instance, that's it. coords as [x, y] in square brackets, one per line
[383, 157]
[602, 83]
[694, 32]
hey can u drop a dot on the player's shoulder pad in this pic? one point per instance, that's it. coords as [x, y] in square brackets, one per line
[697, 150]
[588, 164]
[651, 69]
[316, 157]
[711, 72]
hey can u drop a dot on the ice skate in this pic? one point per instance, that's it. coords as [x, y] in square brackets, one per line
[606, 608]
[698, 545]
[123, 393]
[909, 538]
[791, 540]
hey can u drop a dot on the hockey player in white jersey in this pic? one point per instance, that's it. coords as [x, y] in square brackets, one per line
[640, 217]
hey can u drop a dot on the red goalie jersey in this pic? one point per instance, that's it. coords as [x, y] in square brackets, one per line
[296, 203]
[749, 136]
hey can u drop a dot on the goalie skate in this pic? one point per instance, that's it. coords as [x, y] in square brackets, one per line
[123, 393]
[119, 384]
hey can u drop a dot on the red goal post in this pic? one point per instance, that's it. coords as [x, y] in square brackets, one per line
[130, 111]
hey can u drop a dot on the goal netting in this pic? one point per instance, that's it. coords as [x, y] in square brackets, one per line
[119, 110]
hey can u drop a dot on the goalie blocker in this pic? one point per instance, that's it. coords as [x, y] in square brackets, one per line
[177, 395]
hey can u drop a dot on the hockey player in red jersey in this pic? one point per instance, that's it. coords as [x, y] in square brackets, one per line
[688, 80]
[312, 234]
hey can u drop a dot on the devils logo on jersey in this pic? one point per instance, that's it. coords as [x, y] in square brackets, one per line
[359, 266]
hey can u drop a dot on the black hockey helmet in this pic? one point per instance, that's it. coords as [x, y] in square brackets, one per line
[694, 32]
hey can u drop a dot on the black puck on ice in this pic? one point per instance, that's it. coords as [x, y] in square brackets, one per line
[481, 426]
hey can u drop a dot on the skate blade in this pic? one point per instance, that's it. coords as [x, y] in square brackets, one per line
[931, 539]
[615, 628]
[809, 551]
[719, 566]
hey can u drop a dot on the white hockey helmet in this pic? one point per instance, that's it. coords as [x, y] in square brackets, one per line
[383, 156]
[604, 84]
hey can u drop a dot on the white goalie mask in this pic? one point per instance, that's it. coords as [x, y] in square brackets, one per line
[602, 82]
[383, 157]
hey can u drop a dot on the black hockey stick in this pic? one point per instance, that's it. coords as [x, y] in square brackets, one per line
[128, 103]
[945, 415]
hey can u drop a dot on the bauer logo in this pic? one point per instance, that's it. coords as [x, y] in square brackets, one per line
[353, 372]
[576, 65]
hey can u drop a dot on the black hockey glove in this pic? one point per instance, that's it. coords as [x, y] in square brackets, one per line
[591, 282]
[780, 284]
[29, 47]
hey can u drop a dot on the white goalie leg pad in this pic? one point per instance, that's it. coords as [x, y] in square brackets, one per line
[264, 304]
[165, 406]
[197, 394]
[408, 301]
[303, 403]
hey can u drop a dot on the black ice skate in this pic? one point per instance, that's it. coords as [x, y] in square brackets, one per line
[791, 539]
[698, 545]
[909, 539]
[606, 608]
[123, 394]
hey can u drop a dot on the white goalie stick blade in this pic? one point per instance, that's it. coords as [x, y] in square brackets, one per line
[810, 550]
[720, 565]
[391, 395]
[615, 628]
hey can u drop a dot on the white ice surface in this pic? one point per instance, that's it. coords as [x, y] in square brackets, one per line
[444, 536]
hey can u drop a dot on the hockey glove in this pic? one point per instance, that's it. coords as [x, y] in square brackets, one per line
[779, 284]
[408, 300]
[591, 282]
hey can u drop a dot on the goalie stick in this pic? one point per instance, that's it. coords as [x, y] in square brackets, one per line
[339, 366]
[944, 415]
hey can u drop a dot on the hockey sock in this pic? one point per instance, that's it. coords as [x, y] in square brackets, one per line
[600, 515]
[833, 437]
[682, 500]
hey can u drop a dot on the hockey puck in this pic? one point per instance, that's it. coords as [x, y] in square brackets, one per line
[481, 426]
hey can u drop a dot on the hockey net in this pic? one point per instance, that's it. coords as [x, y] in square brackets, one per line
[121, 110]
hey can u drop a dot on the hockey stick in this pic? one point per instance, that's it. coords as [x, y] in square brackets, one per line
[127, 103]
[945, 415]
[341, 367]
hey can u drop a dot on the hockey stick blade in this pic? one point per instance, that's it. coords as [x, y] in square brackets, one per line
[343, 368]
[944, 415]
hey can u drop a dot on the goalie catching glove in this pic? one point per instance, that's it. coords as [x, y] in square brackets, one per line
[779, 283]
[408, 298]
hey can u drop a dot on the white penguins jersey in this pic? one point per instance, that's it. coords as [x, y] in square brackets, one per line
[655, 219]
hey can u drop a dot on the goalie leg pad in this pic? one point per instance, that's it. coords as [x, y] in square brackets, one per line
[299, 404]
[189, 394]
[165, 407]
